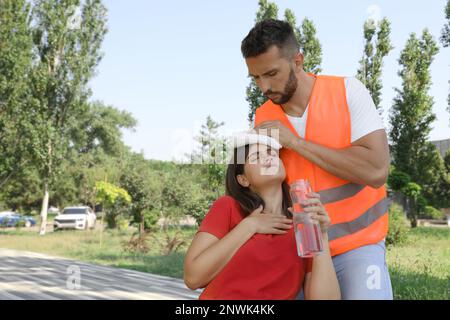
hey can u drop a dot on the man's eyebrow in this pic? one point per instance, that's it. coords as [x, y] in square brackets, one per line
[265, 73]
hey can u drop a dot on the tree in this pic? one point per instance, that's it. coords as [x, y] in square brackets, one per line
[411, 114]
[433, 177]
[143, 185]
[96, 149]
[413, 193]
[309, 46]
[110, 195]
[411, 118]
[21, 193]
[308, 41]
[211, 155]
[98, 126]
[15, 65]
[371, 63]
[445, 36]
[67, 37]
[267, 10]
[445, 39]
[447, 161]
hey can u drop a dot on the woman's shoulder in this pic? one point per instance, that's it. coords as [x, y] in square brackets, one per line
[223, 215]
[226, 199]
[227, 202]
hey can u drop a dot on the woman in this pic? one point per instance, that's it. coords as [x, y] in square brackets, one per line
[245, 247]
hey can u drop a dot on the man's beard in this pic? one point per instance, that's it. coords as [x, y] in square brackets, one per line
[289, 89]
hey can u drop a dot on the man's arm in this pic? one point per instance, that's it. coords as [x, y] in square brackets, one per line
[365, 162]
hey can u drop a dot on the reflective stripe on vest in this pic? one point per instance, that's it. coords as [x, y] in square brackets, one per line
[363, 221]
[340, 193]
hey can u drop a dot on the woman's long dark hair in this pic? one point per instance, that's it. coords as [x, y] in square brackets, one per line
[248, 199]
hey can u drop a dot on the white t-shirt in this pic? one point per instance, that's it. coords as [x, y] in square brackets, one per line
[364, 116]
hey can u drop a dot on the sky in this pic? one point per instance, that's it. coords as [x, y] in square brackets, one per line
[172, 63]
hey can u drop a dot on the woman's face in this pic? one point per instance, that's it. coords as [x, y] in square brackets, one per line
[262, 166]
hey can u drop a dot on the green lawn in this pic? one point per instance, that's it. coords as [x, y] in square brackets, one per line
[420, 269]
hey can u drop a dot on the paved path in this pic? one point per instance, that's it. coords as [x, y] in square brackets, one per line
[29, 275]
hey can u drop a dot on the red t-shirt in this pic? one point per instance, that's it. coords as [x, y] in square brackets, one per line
[266, 267]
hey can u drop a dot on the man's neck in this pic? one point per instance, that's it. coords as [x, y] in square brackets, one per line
[296, 106]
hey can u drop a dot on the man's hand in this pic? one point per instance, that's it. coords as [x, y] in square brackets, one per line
[276, 129]
[365, 162]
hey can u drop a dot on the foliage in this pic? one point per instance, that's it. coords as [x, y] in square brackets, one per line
[432, 213]
[398, 226]
[397, 180]
[114, 199]
[371, 64]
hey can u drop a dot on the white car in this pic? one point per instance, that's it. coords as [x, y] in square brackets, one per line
[53, 210]
[75, 218]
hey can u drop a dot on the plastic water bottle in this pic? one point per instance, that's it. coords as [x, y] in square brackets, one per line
[307, 232]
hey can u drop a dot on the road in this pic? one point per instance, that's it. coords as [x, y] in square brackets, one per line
[35, 276]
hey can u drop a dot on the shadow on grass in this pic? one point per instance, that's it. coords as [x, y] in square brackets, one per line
[413, 285]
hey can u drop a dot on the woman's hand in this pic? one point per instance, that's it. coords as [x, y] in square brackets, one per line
[316, 211]
[267, 223]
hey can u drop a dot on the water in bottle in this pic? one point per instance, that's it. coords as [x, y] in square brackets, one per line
[307, 232]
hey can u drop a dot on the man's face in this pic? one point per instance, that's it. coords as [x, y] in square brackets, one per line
[274, 75]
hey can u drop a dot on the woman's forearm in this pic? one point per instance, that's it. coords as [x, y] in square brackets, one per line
[203, 268]
[323, 284]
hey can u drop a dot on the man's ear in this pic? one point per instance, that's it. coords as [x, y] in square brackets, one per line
[299, 59]
[242, 180]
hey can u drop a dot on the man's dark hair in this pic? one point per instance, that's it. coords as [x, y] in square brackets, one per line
[268, 33]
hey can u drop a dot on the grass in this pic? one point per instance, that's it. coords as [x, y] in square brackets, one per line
[419, 269]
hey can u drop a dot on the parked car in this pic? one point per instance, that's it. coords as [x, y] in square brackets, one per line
[53, 210]
[75, 218]
[7, 213]
[12, 219]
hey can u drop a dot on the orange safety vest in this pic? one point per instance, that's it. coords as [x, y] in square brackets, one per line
[358, 213]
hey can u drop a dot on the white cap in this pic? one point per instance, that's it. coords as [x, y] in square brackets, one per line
[251, 137]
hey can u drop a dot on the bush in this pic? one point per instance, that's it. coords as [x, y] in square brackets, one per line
[151, 218]
[398, 179]
[20, 224]
[4, 222]
[430, 212]
[137, 243]
[447, 160]
[398, 226]
[412, 190]
[122, 223]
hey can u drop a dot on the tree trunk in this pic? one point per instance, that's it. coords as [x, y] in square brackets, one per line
[44, 210]
[142, 225]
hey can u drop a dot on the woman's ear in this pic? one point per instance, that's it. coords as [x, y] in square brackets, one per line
[242, 180]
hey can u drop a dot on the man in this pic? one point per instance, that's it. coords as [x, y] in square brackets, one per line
[333, 136]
